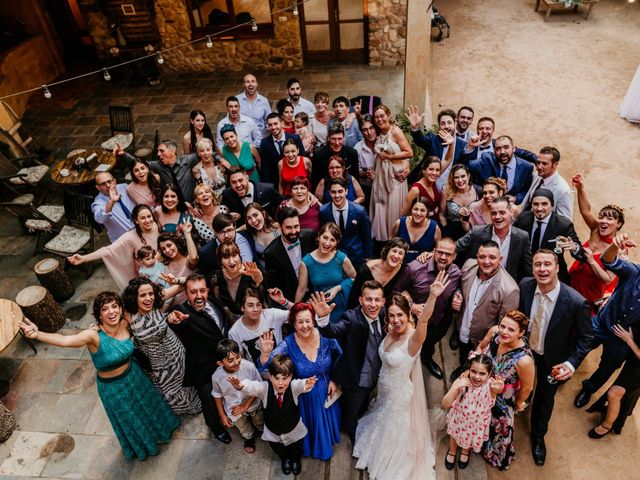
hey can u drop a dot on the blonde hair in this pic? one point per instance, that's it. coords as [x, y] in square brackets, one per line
[204, 142]
[203, 187]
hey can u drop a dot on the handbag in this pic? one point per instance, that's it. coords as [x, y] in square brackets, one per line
[331, 400]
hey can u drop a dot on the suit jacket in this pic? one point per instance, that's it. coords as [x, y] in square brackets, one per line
[352, 332]
[208, 260]
[199, 334]
[501, 296]
[269, 157]
[569, 335]
[263, 193]
[279, 271]
[558, 225]
[356, 238]
[321, 163]
[519, 258]
[472, 154]
[432, 145]
[488, 166]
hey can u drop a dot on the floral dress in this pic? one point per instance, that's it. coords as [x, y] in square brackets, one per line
[469, 418]
[499, 450]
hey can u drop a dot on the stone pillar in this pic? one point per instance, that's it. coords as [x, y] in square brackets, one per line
[417, 70]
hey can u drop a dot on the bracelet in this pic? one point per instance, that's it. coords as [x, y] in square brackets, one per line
[284, 303]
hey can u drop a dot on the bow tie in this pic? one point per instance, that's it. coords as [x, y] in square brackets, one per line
[460, 135]
[485, 147]
[248, 195]
[293, 245]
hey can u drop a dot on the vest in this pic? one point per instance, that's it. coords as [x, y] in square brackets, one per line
[281, 420]
[371, 364]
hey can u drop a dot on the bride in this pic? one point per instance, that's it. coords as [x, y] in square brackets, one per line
[630, 108]
[393, 439]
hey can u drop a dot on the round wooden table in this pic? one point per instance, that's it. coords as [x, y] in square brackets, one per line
[84, 176]
[10, 315]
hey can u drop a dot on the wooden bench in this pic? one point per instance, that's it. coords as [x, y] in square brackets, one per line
[559, 5]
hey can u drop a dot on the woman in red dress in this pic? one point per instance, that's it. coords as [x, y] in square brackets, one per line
[291, 165]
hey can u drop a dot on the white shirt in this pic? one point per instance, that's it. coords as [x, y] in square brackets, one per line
[294, 254]
[270, 319]
[511, 172]
[261, 391]
[562, 194]
[442, 179]
[246, 200]
[257, 110]
[338, 212]
[209, 310]
[282, 139]
[476, 292]
[504, 246]
[543, 227]
[221, 388]
[303, 105]
[467, 135]
[246, 129]
[550, 304]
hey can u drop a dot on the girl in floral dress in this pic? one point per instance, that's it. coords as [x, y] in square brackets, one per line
[469, 401]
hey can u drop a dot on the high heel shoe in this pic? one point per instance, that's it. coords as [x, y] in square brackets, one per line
[594, 434]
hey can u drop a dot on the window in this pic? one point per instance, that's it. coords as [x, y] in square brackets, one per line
[211, 16]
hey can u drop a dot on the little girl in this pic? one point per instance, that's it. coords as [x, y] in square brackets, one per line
[151, 267]
[301, 121]
[470, 400]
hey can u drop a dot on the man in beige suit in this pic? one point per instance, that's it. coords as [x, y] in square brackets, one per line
[488, 292]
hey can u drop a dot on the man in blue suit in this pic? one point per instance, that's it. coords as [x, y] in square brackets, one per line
[503, 163]
[484, 142]
[271, 149]
[353, 222]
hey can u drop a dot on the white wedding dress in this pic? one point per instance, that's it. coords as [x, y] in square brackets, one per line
[393, 439]
[630, 108]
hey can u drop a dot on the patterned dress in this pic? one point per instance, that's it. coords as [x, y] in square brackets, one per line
[469, 417]
[499, 450]
[166, 354]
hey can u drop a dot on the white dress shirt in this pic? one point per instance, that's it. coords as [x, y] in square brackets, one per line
[303, 105]
[248, 198]
[562, 193]
[257, 109]
[294, 254]
[476, 292]
[504, 246]
[550, 304]
[543, 228]
[366, 159]
[337, 212]
[246, 129]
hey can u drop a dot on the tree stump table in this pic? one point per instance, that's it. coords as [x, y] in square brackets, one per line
[7, 423]
[39, 306]
[52, 276]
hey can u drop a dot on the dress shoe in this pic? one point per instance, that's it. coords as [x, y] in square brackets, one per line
[450, 464]
[223, 437]
[582, 399]
[594, 434]
[455, 374]
[435, 370]
[454, 342]
[286, 466]
[296, 466]
[463, 464]
[538, 450]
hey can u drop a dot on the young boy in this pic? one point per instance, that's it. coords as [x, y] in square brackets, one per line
[151, 267]
[283, 428]
[301, 122]
[233, 407]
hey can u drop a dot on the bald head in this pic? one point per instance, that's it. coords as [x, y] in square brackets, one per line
[104, 181]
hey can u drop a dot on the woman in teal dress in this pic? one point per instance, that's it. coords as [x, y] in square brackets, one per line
[242, 154]
[138, 414]
[327, 270]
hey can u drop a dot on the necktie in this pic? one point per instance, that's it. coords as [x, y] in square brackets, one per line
[341, 218]
[536, 328]
[280, 400]
[530, 199]
[280, 144]
[503, 174]
[293, 245]
[124, 208]
[484, 147]
[535, 241]
[376, 332]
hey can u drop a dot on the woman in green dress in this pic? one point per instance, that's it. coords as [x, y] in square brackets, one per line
[138, 414]
[240, 153]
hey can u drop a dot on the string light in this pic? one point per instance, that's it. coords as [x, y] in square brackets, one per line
[106, 74]
[209, 42]
[158, 55]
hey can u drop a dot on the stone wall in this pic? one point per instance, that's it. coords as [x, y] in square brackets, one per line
[387, 32]
[281, 52]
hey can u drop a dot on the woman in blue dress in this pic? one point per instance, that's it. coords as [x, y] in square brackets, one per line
[138, 414]
[312, 355]
[417, 229]
[327, 270]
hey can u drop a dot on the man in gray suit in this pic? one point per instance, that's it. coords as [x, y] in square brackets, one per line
[488, 292]
[512, 242]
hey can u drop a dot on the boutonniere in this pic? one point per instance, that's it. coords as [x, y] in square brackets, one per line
[355, 222]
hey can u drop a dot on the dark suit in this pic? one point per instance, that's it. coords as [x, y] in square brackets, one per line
[356, 238]
[208, 260]
[557, 225]
[431, 143]
[518, 260]
[200, 334]
[488, 166]
[279, 271]
[352, 331]
[263, 193]
[568, 339]
[270, 156]
[472, 154]
[321, 162]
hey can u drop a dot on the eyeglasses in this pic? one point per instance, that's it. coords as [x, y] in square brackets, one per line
[444, 254]
[226, 231]
[107, 182]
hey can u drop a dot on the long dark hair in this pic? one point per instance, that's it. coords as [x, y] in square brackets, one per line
[177, 240]
[152, 182]
[130, 295]
[206, 130]
[181, 207]
[268, 221]
[134, 217]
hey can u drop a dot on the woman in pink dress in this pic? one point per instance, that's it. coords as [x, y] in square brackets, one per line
[145, 185]
[120, 256]
[480, 210]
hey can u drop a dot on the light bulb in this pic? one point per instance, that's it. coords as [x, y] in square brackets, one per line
[254, 25]
[47, 93]
[159, 58]
[295, 9]
[106, 74]
[209, 42]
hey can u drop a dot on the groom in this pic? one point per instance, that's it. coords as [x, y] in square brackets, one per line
[359, 332]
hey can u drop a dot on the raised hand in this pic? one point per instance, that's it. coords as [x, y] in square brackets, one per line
[624, 242]
[309, 383]
[439, 284]
[267, 342]
[461, 382]
[474, 141]
[424, 257]
[276, 295]
[577, 180]
[446, 137]
[235, 382]
[414, 116]
[496, 384]
[320, 305]
[177, 317]
[187, 226]
[114, 196]
[75, 259]
[566, 243]
[29, 328]
[251, 270]
[118, 150]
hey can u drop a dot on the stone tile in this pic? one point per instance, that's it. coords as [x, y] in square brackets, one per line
[34, 374]
[98, 422]
[72, 461]
[163, 465]
[71, 412]
[313, 468]
[342, 465]
[240, 465]
[109, 463]
[201, 460]
[25, 456]
[193, 427]
[72, 377]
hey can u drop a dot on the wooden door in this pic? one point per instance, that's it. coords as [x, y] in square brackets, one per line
[334, 31]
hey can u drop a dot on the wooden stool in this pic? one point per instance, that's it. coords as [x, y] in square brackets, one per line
[52, 276]
[144, 153]
[7, 423]
[10, 315]
[40, 307]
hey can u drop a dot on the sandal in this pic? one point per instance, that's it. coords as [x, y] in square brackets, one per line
[250, 444]
[449, 464]
[594, 434]
[463, 464]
